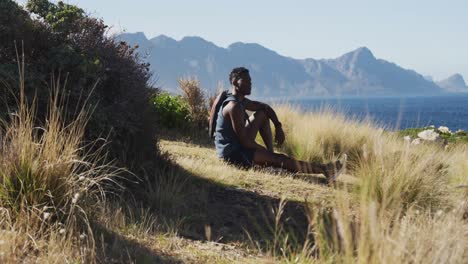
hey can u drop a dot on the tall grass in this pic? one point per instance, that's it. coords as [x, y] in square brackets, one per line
[369, 234]
[387, 169]
[48, 181]
[409, 203]
[324, 135]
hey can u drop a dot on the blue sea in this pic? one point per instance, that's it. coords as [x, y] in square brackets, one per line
[398, 112]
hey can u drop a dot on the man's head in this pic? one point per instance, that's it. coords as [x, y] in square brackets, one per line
[240, 80]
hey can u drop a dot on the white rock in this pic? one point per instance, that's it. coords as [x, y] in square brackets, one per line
[407, 138]
[75, 197]
[416, 141]
[444, 129]
[46, 215]
[429, 134]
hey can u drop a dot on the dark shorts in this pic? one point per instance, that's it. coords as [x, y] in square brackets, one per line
[242, 157]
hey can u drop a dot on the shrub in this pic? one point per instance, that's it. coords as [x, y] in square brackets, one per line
[64, 41]
[172, 110]
[195, 98]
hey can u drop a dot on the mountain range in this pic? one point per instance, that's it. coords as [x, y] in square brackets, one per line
[356, 73]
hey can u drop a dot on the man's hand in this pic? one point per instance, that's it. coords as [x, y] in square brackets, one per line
[279, 135]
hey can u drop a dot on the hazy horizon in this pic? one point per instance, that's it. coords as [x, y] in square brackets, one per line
[426, 36]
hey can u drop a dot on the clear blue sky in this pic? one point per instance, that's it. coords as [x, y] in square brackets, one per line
[428, 36]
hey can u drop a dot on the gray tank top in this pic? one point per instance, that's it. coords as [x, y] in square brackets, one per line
[226, 141]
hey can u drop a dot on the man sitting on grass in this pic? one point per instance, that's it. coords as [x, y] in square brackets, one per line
[235, 132]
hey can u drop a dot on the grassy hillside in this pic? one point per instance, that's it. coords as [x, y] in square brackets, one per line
[67, 194]
[396, 203]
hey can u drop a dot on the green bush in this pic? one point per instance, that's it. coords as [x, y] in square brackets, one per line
[172, 110]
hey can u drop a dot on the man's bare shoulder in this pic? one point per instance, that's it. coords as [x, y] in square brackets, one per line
[232, 107]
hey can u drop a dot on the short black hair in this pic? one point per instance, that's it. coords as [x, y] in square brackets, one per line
[236, 72]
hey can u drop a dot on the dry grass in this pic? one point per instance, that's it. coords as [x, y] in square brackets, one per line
[369, 234]
[48, 184]
[406, 206]
[389, 171]
[398, 203]
[403, 204]
[195, 98]
[145, 237]
[273, 183]
[325, 135]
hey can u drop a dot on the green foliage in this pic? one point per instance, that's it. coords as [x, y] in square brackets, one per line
[412, 132]
[186, 113]
[173, 111]
[41, 7]
[61, 17]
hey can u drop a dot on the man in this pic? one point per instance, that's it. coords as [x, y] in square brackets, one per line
[236, 132]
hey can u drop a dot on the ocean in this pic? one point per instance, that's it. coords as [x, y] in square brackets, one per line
[398, 112]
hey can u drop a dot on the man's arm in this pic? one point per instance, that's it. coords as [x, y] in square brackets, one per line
[256, 106]
[238, 124]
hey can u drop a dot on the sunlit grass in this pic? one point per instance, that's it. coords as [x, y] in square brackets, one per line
[409, 200]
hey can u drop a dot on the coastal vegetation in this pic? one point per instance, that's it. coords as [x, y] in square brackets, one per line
[443, 132]
[96, 166]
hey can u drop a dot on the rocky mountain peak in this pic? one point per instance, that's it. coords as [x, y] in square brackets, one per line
[360, 56]
[163, 40]
[195, 44]
[454, 83]
[457, 79]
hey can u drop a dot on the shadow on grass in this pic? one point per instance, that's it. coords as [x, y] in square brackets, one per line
[314, 179]
[212, 211]
[320, 180]
[114, 248]
[196, 137]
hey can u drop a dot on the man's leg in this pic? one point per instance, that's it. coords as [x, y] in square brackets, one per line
[259, 122]
[267, 158]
